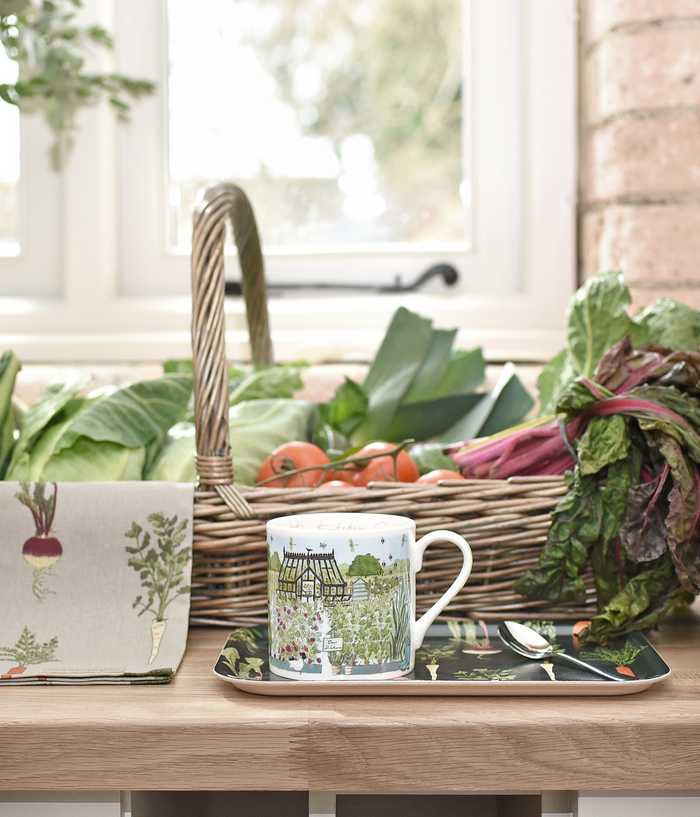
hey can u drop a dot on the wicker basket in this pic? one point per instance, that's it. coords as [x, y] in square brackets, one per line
[506, 523]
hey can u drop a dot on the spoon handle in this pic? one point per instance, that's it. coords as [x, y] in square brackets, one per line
[565, 658]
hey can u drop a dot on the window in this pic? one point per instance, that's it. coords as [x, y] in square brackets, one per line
[374, 138]
[347, 129]
[9, 167]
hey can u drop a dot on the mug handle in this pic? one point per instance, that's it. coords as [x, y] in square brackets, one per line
[416, 550]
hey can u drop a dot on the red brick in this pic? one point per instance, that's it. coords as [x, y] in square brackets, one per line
[642, 157]
[654, 68]
[655, 246]
[600, 16]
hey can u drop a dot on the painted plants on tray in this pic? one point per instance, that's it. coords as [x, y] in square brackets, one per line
[160, 559]
[455, 651]
[338, 617]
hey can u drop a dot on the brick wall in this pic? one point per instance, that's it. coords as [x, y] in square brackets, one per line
[640, 144]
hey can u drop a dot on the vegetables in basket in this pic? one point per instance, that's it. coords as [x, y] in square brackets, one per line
[419, 387]
[101, 437]
[257, 427]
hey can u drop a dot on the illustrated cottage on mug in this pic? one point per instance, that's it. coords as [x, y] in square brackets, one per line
[311, 576]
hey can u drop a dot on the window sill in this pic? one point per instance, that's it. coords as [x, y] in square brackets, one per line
[314, 329]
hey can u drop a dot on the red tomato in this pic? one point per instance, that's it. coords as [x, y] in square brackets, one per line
[334, 484]
[433, 477]
[381, 469]
[289, 457]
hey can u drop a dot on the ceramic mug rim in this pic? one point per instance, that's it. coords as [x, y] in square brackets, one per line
[392, 523]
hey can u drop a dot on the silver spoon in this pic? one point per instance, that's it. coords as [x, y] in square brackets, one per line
[527, 642]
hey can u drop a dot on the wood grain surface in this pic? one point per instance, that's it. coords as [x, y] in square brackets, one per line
[200, 733]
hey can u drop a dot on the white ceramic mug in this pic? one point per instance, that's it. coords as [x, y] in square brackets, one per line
[342, 594]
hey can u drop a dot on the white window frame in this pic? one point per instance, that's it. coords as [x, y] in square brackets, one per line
[116, 293]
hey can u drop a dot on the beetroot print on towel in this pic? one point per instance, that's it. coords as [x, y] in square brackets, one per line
[42, 550]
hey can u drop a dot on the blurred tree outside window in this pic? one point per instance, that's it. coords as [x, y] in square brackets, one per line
[342, 120]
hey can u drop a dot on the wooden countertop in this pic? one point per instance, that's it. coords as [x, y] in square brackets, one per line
[199, 733]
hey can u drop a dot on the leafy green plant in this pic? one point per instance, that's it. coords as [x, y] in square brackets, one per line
[484, 674]
[161, 568]
[296, 631]
[242, 666]
[51, 48]
[105, 436]
[365, 564]
[619, 656]
[419, 387]
[256, 428]
[401, 623]
[433, 655]
[365, 627]
[27, 650]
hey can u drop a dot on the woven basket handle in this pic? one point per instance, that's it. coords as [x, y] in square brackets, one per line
[220, 204]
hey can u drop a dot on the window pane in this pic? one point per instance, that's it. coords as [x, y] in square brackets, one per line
[9, 163]
[342, 120]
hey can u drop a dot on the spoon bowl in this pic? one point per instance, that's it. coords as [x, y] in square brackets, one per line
[528, 643]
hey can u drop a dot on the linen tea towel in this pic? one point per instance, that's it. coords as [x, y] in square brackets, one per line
[94, 581]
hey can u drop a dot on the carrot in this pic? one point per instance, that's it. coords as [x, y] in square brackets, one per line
[624, 670]
[157, 630]
[18, 670]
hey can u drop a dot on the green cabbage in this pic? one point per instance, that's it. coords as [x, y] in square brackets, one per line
[256, 428]
[103, 437]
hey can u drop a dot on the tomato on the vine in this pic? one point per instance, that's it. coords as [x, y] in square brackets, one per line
[289, 457]
[384, 469]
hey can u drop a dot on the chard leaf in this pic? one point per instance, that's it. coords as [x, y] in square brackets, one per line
[604, 441]
[643, 533]
[597, 319]
[576, 525]
[577, 397]
[553, 380]
[671, 324]
[640, 603]
[683, 514]
[606, 559]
